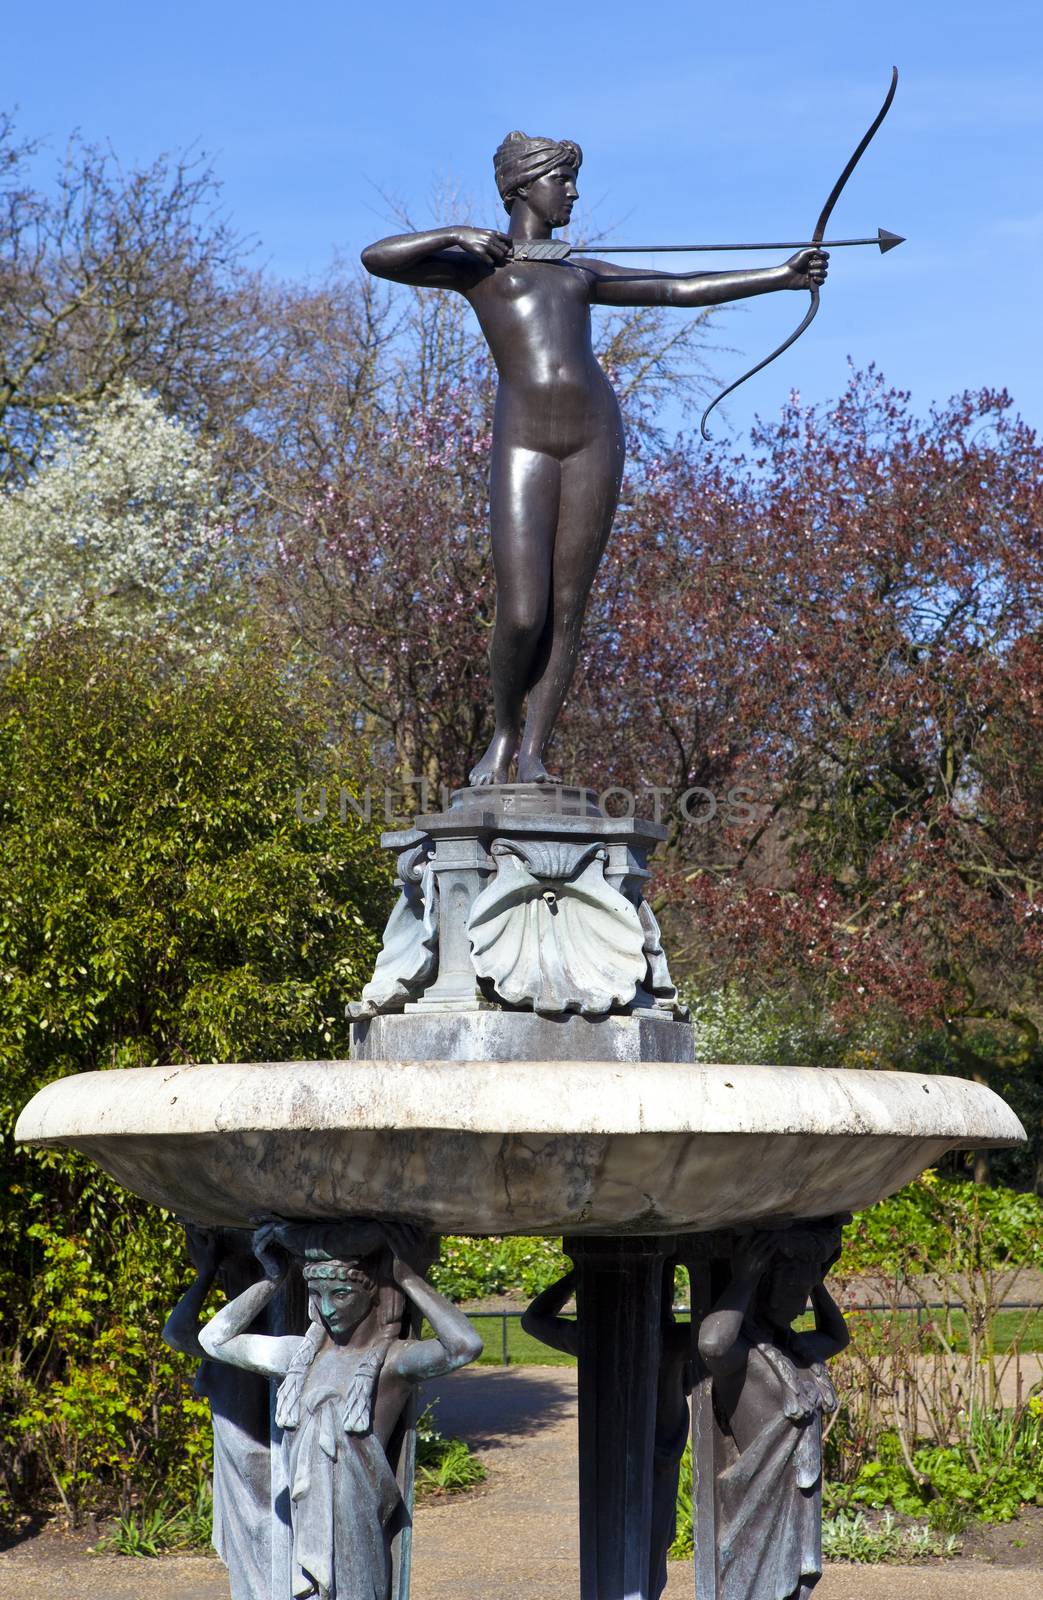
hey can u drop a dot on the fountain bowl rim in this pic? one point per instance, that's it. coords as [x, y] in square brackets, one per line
[505, 1098]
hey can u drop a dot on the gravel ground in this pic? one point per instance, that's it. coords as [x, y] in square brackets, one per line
[517, 1535]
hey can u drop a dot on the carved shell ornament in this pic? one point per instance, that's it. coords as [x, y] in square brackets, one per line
[549, 931]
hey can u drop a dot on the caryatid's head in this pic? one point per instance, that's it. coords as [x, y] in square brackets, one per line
[541, 172]
[341, 1293]
[803, 1256]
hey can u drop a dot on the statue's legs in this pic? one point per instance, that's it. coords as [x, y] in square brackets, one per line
[524, 499]
[590, 480]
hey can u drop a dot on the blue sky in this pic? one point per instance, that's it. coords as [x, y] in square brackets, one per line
[706, 122]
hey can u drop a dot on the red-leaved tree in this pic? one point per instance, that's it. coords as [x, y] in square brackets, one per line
[849, 625]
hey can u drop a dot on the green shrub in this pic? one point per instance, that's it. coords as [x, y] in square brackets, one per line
[448, 1465]
[473, 1269]
[160, 901]
[991, 1477]
[160, 898]
[684, 1539]
[934, 1220]
[167, 1525]
[97, 1409]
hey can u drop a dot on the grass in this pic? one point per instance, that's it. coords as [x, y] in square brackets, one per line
[1025, 1328]
[1022, 1327]
[522, 1350]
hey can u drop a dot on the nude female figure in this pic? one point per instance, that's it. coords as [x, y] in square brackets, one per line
[557, 456]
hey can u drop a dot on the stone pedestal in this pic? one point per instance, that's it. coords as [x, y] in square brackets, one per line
[492, 1035]
[524, 904]
[522, 934]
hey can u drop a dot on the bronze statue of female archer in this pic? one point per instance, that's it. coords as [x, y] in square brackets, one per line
[557, 458]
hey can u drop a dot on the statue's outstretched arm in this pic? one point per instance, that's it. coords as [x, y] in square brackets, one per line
[613, 285]
[225, 1338]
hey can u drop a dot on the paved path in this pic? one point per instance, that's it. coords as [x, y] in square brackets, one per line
[196, 1578]
[516, 1538]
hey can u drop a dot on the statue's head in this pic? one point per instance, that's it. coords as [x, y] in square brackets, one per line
[348, 1270]
[786, 1289]
[541, 172]
[803, 1256]
[341, 1294]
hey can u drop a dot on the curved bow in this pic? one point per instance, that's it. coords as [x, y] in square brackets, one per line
[816, 238]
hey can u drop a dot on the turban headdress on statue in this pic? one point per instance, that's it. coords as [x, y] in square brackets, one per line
[521, 160]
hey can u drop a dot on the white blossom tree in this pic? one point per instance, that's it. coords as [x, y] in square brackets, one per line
[121, 528]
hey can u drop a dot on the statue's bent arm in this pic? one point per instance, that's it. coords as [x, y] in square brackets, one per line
[225, 1337]
[439, 258]
[543, 1322]
[831, 1334]
[455, 1344]
[181, 1331]
[722, 1343]
[722, 1346]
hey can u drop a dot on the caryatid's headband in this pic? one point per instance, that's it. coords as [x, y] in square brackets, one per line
[341, 1271]
[810, 1244]
[521, 160]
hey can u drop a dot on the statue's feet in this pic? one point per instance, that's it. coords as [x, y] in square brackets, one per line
[495, 765]
[532, 770]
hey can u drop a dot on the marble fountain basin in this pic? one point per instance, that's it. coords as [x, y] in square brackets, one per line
[493, 1147]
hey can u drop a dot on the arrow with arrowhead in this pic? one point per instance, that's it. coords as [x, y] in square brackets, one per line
[558, 250]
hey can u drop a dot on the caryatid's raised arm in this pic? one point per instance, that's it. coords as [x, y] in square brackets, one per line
[543, 1319]
[225, 1336]
[455, 1343]
[181, 1331]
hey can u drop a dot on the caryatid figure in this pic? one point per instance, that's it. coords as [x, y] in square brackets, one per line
[771, 1392]
[558, 446]
[343, 1388]
[240, 1407]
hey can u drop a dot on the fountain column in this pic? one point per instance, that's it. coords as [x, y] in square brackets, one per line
[619, 1323]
